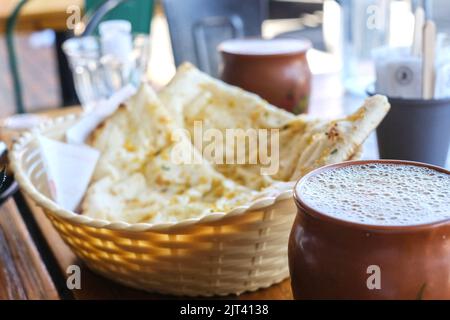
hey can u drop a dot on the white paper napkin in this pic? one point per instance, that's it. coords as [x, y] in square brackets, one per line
[69, 169]
[442, 85]
[398, 73]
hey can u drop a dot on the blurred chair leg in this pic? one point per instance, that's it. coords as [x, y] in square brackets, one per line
[10, 25]
[68, 95]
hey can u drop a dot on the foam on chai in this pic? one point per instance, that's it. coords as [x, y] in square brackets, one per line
[385, 194]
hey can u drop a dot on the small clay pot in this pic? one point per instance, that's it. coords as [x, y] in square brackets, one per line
[276, 69]
[329, 258]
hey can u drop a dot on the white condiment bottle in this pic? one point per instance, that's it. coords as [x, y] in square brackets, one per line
[116, 39]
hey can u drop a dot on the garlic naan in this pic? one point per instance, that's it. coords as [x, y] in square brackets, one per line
[304, 144]
[153, 168]
[139, 177]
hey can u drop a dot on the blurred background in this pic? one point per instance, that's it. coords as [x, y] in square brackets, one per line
[342, 44]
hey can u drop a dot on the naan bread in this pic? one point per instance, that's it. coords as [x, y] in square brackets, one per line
[153, 169]
[139, 177]
[195, 96]
[339, 140]
[135, 132]
[304, 144]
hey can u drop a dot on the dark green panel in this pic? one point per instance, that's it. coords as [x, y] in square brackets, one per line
[138, 12]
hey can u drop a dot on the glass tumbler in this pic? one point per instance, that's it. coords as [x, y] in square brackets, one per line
[98, 75]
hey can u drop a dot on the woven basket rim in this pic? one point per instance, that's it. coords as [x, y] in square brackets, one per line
[55, 209]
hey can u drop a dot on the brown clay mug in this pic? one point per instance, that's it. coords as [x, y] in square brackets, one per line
[275, 69]
[329, 257]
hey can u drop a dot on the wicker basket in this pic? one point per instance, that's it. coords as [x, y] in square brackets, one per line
[220, 254]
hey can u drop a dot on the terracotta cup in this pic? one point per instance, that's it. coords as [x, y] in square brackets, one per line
[330, 258]
[276, 69]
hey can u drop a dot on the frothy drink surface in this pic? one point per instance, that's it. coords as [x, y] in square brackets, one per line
[379, 194]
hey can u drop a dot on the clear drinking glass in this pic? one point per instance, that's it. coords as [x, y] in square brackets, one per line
[96, 75]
